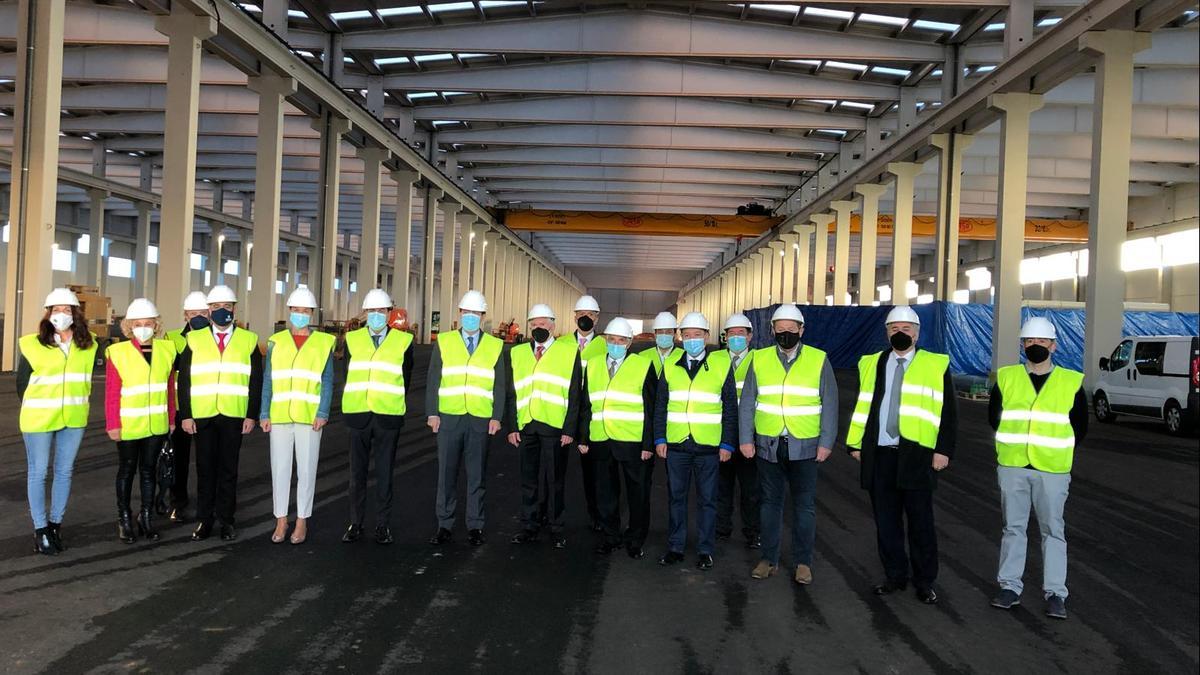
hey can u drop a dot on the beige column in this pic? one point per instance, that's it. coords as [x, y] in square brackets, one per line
[804, 237]
[951, 147]
[331, 128]
[401, 264]
[141, 258]
[821, 222]
[788, 291]
[216, 242]
[465, 247]
[841, 251]
[432, 195]
[96, 257]
[777, 258]
[449, 211]
[870, 193]
[906, 173]
[491, 268]
[479, 257]
[368, 243]
[245, 248]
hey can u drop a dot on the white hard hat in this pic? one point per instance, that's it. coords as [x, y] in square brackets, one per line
[902, 313]
[302, 297]
[220, 293]
[377, 298]
[473, 301]
[665, 321]
[787, 312]
[694, 320]
[141, 308]
[619, 326]
[1039, 327]
[61, 296]
[540, 311]
[738, 320]
[587, 303]
[196, 301]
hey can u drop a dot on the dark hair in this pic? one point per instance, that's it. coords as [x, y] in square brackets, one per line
[82, 337]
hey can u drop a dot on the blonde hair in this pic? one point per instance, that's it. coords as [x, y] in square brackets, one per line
[127, 327]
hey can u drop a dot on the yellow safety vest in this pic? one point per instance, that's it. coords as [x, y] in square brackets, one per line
[657, 360]
[57, 395]
[739, 373]
[921, 398]
[296, 376]
[694, 405]
[468, 378]
[375, 377]
[595, 347]
[178, 339]
[221, 380]
[144, 387]
[1035, 426]
[790, 398]
[618, 410]
[543, 386]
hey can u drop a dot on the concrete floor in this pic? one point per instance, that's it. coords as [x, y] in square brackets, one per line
[251, 606]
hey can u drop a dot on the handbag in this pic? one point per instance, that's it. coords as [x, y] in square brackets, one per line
[166, 476]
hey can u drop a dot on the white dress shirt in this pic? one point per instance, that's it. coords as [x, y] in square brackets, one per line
[889, 374]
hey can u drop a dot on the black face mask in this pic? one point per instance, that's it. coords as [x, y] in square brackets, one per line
[1037, 353]
[585, 323]
[198, 322]
[787, 339]
[901, 341]
[540, 335]
[222, 317]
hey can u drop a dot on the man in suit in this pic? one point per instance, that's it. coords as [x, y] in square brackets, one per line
[740, 473]
[195, 317]
[587, 313]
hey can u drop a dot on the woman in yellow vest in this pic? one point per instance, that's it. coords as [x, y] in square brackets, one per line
[296, 396]
[195, 317]
[54, 381]
[139, 411]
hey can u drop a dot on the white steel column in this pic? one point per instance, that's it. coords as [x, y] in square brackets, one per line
[821, 222]
[432, 195]
[96, 271]
[268, 174]
[804, 237]
[141, 258]
[841, 251]
[465, 247]
[216, 241]
[905, 173]
[368, 242]
[777, 255]
[949, 197]
[870, 193]
[401, 263]
[331, 129]
[788, 292]
[449, 211]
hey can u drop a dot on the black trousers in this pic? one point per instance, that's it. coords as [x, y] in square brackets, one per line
[610, 467]
[137, 457]
[893, 507]
[378, 441]
[218, 450]
[543, 479]
[181, 441]
[741, 473]
[591, 478]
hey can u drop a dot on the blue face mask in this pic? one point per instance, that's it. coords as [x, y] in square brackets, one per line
[664, 340]
[222, 317]
[617, 352]
[694, 346]
[737, 343]
[299, 320]
[470, 322]
[376, 321]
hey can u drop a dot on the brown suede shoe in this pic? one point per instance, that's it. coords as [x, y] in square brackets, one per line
[763, 570]
[803, 574]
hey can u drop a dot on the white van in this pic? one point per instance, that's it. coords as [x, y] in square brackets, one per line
[1151, 376]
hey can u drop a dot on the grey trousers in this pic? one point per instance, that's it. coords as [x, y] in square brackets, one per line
[462, 442]
[1047, 493]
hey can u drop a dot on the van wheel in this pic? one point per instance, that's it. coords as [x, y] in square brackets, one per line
[1173, 417]
[1103, 412]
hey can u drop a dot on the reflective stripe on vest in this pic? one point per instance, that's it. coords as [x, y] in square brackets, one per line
[221, 380]
[143, 387]
[58, 390]
[790, 398]
[375, 377]
[694, 405]
[921, 397]
[468, 379]
[739, 373]
[1035, 426]
[543, 386]
[296, 376]
[618, 409]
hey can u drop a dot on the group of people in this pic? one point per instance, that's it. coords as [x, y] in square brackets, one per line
[757, 422]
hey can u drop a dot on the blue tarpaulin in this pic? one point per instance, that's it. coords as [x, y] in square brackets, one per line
[962, 331]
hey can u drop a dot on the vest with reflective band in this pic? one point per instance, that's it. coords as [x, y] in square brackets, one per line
[375, 377]
[296, 376]
[657, 360]
[143, 387]
[597, 346]
[694, 405]
[543, 386]
[221, 380]
[739, 373]
[618, 410]
[1035, 426]
[468, 379]
[921, 398]
[57, 395]
[790, 398]
[178, 339]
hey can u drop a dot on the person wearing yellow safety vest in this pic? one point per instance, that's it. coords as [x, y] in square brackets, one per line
[739, 469]
[464, 404]
[297, 394]
[54, 380]
[139, 411]
[788, 419]
[903, 433]
[587, 313]
[220, 394]
[545, 385]
[695, 429]
[373, 405]
[195, 317]
[1039, 411]
[615, 430]
[664, 349]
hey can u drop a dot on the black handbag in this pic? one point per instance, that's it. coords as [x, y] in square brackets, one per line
[166, 477]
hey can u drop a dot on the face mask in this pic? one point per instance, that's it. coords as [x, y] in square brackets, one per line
[664, 340]
[376, 321]
[198, 322]
[737, 343]
[694, 346]
[299, 320]
[540, 334]
[617, 352]
[901, 341]
[61, 321]
[470, 322]
[1037, 353]
[222, 317]
[143, 333]
[585, 323]
[787, 339]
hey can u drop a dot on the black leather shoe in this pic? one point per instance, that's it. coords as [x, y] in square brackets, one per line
[525, 537]
[635, 552]
[178, 515]
[441, 537]
[889, 587]
[383, 535]
[560, 542]
[42, 543]
[754, 542]
[704, 562]
[54, 530]
[475, 537]
[927, 596]
[670, 558]
[606, 548]
[228, 533]
[353, 533]
[203, 531]
[125, 528]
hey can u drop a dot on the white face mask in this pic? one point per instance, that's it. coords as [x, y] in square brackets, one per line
[61, 321]
[143, 333]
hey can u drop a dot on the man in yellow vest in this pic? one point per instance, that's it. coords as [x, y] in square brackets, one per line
[664, 349]
[903, 434]
[587, 313]
[220, 393]
[740, 472]
[788, 417]
[464, 404]
[373, 405]
[546, 381]
[695, 428]
[615, 430]
[195, 317]
[1039, 412]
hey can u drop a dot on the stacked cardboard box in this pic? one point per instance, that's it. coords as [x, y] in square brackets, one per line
[95, 306]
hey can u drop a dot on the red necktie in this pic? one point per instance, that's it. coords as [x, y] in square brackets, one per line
[537, 353]
[221, 342]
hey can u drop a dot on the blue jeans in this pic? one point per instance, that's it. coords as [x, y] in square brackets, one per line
[681, 467]
[801, 478]
[37, 455]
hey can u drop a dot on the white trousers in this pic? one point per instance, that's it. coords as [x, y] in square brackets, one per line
[305, 443]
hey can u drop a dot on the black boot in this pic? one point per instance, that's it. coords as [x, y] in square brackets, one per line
[56, 536]
[42, 543]
[125, 527]
[145, 527]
